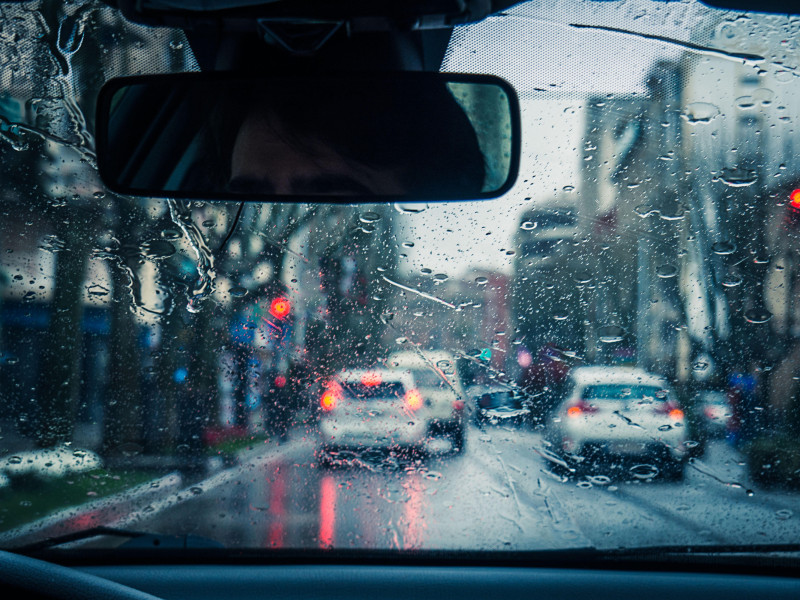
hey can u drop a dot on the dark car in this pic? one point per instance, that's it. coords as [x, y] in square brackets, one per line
[499, 406]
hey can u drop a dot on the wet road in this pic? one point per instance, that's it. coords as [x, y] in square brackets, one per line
[499, 494]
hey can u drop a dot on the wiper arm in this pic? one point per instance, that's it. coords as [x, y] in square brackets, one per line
[136, 539]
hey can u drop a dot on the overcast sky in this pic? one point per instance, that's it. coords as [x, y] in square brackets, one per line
[536, 49]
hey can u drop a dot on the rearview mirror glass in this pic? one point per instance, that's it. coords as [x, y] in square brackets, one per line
[343, 138]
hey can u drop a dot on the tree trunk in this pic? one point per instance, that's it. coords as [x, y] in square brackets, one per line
[122, 419]
[61, 357]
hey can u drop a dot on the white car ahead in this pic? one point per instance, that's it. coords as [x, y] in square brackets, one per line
[372, 409]
[437, 379]
[621, 417]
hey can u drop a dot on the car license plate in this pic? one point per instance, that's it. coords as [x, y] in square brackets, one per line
[627, 447]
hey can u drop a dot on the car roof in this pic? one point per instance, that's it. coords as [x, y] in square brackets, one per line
[487, 389]
[413, 359]
[607, 374]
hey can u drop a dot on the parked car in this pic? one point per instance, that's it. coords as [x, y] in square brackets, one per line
[495, 405]
[437, 379]
[620, 417]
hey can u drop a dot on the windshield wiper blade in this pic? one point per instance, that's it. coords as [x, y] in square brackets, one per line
[136, 539]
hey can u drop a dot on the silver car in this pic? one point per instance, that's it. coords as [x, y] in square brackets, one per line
[437, 379]
[372, 409]
[618, 416]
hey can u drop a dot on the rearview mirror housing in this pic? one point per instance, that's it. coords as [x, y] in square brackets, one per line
[354, 137]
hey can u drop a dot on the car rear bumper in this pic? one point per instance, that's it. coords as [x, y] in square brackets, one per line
[627, 454]
[362, 435]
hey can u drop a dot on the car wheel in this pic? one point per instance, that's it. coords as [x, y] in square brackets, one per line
[324, 458]
[673, 470]
[457, 440]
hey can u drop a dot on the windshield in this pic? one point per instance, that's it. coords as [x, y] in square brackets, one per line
[166, 366]
[371, 391]
[622, 392]
[500, 400]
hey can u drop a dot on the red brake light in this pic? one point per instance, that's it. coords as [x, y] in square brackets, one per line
[676, 414]
[413, 399]
[280, 308]
[670, 409]
[330, 397]
[582, 407]
[371, 379]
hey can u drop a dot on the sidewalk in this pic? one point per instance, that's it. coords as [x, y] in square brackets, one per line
[142, 501]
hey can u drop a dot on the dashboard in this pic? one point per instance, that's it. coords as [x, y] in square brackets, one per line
[349, 582]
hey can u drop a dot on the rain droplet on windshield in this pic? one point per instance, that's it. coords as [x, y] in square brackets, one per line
[644, 472]
[745, 102]
[731, 280]
[757, 315]
[582, 277]
[369, 217]
[738, 177]
[610, 334]
[645, 211]
[666, 271]
[723, 248]
[700, 112]
[96, 290]
[409, 209]
[157, 249]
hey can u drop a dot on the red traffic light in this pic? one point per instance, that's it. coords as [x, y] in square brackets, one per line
[280, 308]
[794, 199]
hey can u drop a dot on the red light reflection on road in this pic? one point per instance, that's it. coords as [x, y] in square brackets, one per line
[277, 509]
[327, 511]
[83, 521]
[412, 524]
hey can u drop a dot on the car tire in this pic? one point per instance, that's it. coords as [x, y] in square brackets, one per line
[673, 470]
[457, 440]
[324, 458]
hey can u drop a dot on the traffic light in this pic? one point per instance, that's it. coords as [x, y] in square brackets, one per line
[280, 307]
[791, 219]
[794, 199]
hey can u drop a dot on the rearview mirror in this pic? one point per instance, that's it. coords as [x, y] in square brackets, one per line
[339, 138]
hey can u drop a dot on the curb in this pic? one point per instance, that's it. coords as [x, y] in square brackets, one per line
[91, 514]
